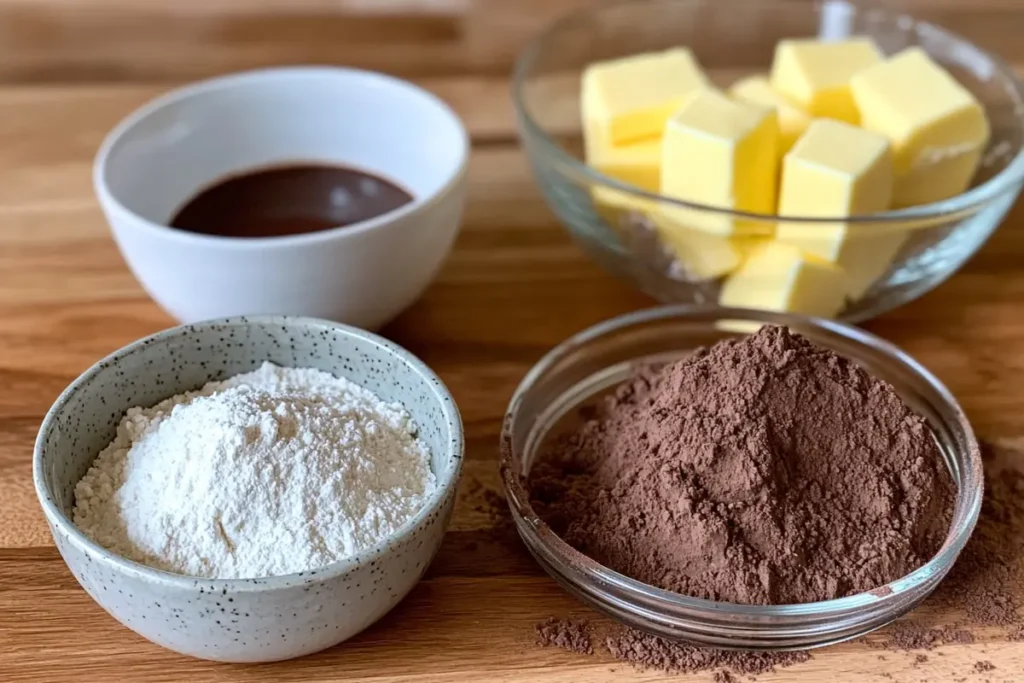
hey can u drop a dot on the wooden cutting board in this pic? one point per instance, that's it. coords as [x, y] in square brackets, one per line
[514, 286]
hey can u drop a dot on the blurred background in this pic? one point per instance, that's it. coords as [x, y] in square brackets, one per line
[176, 40]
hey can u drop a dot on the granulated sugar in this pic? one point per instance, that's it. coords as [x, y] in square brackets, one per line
[764, 470]
[272, 472]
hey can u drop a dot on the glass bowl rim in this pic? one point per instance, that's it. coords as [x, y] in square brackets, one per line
[968, 201]
[519, 501]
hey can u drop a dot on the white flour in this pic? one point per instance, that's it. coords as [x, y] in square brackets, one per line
[276, 471]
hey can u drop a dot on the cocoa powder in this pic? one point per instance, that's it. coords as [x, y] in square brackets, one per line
[763, 470]
[984, 581]
[567, 634]
[645, 651]
[908, 635]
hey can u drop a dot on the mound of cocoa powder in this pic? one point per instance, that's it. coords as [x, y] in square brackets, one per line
[761, 470]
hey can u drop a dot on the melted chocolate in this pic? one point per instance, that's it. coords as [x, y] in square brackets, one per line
[289, 200]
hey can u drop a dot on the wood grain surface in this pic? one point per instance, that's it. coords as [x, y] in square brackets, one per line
[514, 286]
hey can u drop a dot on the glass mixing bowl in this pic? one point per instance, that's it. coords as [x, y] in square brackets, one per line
[593, 361]
[731, 39]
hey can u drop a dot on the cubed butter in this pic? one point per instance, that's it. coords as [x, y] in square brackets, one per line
[636, 164]
[722, 153]
[780, 277]
[867, 258]
[792, 119]
[836, 170]
[748, 245]
[938, 130]
[631, 97]
[816, 75]
[703, 256]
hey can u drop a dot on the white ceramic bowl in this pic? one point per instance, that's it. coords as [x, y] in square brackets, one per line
[163, 154]
[245, 620]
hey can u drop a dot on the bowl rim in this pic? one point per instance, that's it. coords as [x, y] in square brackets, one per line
[519, 500]
[445, 484]
[373, 80]
[965, 202]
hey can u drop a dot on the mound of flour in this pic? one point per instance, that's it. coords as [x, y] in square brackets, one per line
[275, 471]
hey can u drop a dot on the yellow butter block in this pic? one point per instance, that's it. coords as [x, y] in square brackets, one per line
[816, 75]
[722, 153]
[780, 277]
[632, 97]
[632, 165]
[867, 256]
[937, 128]
[792, 119]
[748, 245]
[702, 255]
[836, 170]
[636, 164]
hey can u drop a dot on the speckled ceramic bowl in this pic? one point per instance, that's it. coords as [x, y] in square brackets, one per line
[245, 620]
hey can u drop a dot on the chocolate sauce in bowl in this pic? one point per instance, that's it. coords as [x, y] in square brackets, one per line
[289, 200]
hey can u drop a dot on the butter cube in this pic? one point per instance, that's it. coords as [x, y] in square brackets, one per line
[938, 130]
[631, 97]
[867, 258]
[836, 170]
[703, 256]
[816, 75]
[792, 119]
[636, 164]
[721, 153]
[780, 277]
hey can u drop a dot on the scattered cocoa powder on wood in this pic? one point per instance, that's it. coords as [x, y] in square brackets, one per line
[645, 651]
[909, 635]
[763, 470]
[984, 584]
[567, 634]
[492, 504]
[985, 579]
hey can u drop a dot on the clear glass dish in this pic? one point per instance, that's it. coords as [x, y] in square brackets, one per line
[597, 359]
[731, 39]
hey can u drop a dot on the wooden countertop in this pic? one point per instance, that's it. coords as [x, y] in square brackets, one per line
[514, 286]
